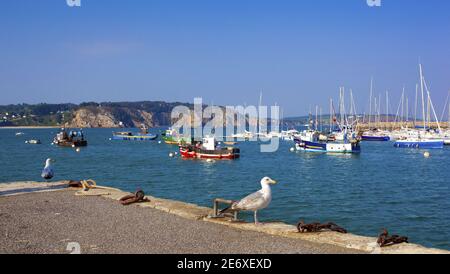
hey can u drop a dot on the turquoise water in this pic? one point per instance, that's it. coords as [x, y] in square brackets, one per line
[382, 187]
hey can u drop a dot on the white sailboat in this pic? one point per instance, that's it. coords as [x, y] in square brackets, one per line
[425, 138]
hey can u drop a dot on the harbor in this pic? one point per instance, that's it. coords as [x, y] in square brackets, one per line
[363, 201]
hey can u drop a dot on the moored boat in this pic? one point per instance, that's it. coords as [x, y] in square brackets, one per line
[33, 142]
[289, 134]
[333, 147]
[71, 139]
[208, 148]
[144, 135]
[375, 138]
[171, 137]
[246, 135]
[311, 143]
[427, 138]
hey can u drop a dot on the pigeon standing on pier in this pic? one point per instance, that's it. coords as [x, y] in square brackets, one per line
[47, 172]
[256, 201]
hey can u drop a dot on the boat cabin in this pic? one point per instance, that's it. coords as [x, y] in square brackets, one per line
[208, 148]
[209, 143]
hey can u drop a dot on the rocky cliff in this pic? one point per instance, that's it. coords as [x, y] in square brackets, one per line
[108, 117]
[92, 117]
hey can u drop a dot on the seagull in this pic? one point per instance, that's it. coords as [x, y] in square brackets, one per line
[256, 201]
[47, 172]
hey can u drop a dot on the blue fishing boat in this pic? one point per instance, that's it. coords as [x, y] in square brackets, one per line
[312, 144]
[330, 147]
[144, 135]
[420, 143]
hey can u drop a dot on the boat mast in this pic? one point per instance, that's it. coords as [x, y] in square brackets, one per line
[407, 110]
[309, 118]
[397, 114]
[448, 119]
[332, 115]
[320, 120]
[351, 104]
[370, 101]
[415, 106]
[341, 106]
[355, 112]
[428, 108]
[387, 108]
[423, 99]
[432, 107]
[317, 121]
[259, 107]
[375, 110]
[379, 110]
[445, 107]
[403, 107]
[260, 98]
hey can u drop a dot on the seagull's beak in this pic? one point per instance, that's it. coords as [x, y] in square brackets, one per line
[273, 182]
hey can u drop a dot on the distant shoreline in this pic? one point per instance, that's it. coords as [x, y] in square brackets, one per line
[29, 127]
[46, 127]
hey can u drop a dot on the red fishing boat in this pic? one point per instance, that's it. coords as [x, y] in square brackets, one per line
[209, 149]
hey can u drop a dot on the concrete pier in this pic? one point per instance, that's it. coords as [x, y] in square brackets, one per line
[45, 218]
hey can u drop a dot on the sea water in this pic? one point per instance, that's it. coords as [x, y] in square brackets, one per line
[383, 187]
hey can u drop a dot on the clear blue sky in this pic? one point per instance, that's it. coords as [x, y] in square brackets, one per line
[297, 52]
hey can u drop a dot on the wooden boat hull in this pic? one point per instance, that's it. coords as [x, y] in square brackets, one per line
[80, 143]
[224, 154]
